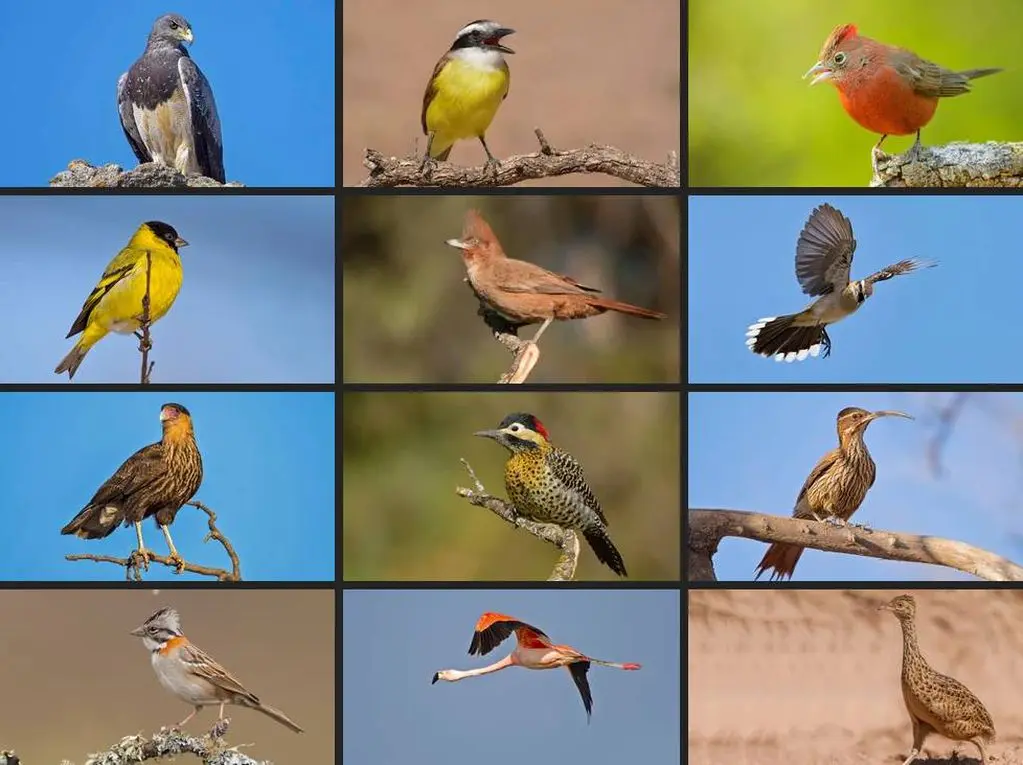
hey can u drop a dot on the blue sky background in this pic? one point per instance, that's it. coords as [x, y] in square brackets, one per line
[959, 322]
[752, 451]
[393, 642]
[256, 306]
[270, 63]
[268, 461]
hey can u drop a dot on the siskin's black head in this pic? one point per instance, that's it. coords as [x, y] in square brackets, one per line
[167, 233]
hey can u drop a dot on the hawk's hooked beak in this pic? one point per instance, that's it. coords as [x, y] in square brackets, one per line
[821, 70]
[187, 36]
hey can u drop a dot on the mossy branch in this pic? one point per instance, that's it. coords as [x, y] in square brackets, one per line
[134, 564]
[954, 165]
[210, 749]
[388, 172]
[564, 539]
[706, 529]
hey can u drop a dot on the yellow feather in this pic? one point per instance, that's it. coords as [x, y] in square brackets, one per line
[115, 304]
[465, 101]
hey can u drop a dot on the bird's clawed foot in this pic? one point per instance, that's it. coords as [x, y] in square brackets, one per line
[178, 561]
[427, 167]
[491, 167]
[139, 559]
[825, 344]
[145, 344]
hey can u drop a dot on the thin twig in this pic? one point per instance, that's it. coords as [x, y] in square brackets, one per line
[133, 566]
[564, 539]
[210, 749]
[145, 342]
[546, 163]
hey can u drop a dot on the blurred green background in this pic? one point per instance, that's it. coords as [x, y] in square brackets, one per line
[754, 122]
[403, 521]
[408, 316]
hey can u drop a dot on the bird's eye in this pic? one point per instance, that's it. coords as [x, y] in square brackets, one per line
[840, 58]
[516, 428]
[174, 25]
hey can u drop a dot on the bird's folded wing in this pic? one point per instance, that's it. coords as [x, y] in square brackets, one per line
[569, 474]
[519, 276]
[823, 466]
[127, 114]
[203, 665]
[824, 252]
[137, 472]
[114, 277]
[206, 138]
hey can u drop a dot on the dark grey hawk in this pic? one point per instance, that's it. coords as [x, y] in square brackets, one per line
[166, 105]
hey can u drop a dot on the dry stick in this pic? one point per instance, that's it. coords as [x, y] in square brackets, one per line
[169, 743]
[133, 571]
[145, 342]
[547, 163]
[955, 165]
[527, 353]
[706, 529]
[564, 539]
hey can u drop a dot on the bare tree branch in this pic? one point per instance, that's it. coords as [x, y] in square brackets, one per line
[145, 341]
[387, 172]
[135, 563]
[564, 539]
[955, 165]
[210, 749]
[708, 527]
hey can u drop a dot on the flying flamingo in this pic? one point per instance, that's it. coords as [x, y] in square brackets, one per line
[533, 650]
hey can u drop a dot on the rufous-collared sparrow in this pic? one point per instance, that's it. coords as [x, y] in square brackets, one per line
[191, 674]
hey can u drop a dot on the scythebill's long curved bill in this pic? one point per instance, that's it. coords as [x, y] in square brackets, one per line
[889, 413]
[822, 72]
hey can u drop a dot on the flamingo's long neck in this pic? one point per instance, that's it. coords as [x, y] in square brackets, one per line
[458, 674]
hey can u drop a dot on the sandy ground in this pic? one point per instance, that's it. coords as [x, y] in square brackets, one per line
[803, 677]
[73, 681]
[583, 72]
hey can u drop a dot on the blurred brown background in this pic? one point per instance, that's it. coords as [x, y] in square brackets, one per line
[408, 315]
[73, 681]
[583, 72]
[403, 520]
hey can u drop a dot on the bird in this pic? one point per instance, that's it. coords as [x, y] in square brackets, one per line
[886, 89]
[467, 87]
[936, 703]
[166, 105]
[824, 254]
[514, 293]
[192, 675]
[150, 259]
[835, 488]
[533, 650]
[547, 485]
[155, 481]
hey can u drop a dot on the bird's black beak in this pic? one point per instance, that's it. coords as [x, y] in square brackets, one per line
[497, 435]
[436, 677]
[502, 32]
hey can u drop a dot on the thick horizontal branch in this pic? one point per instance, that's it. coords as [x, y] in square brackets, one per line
[708, 527]
[955, 165]
[564, 539]
[170, 743]
[546, 163]
[134, 564]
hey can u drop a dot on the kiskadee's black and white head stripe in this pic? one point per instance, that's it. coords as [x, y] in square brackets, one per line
[824, 255]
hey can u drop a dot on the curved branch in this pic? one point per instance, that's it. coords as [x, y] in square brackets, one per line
[564, 539]
[134, 563]
[387, 172]
[708, 527]
[955, 165]
[169, 743]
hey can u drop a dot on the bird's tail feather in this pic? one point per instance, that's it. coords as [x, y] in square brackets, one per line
[72, 361]
[780, 336]
[605, 551]
[972, 74]
[782, 558]
[278, 715]
[95, 522]
[631, 310]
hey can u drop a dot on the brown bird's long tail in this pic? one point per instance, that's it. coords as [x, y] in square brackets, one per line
[71, 362]
[780, 337]
[631, 310]
[605, 550]
[95, 522]
[782, 558]
[278, 715]
[973, 74]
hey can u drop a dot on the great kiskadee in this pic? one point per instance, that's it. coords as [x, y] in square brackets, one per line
[468, 85]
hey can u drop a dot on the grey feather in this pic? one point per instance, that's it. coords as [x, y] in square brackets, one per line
[824, 251]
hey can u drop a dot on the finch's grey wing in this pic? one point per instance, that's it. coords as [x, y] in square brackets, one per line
[824, 252]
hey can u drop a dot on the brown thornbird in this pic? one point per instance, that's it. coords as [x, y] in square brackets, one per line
[835, 488]
[513, 293]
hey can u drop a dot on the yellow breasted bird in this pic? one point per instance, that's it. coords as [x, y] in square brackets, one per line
[115, 305]
[466, 89]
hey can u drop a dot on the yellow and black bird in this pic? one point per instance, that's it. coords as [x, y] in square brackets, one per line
[468, 86]
[155, 481]
[547, 485]
[115, 304]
